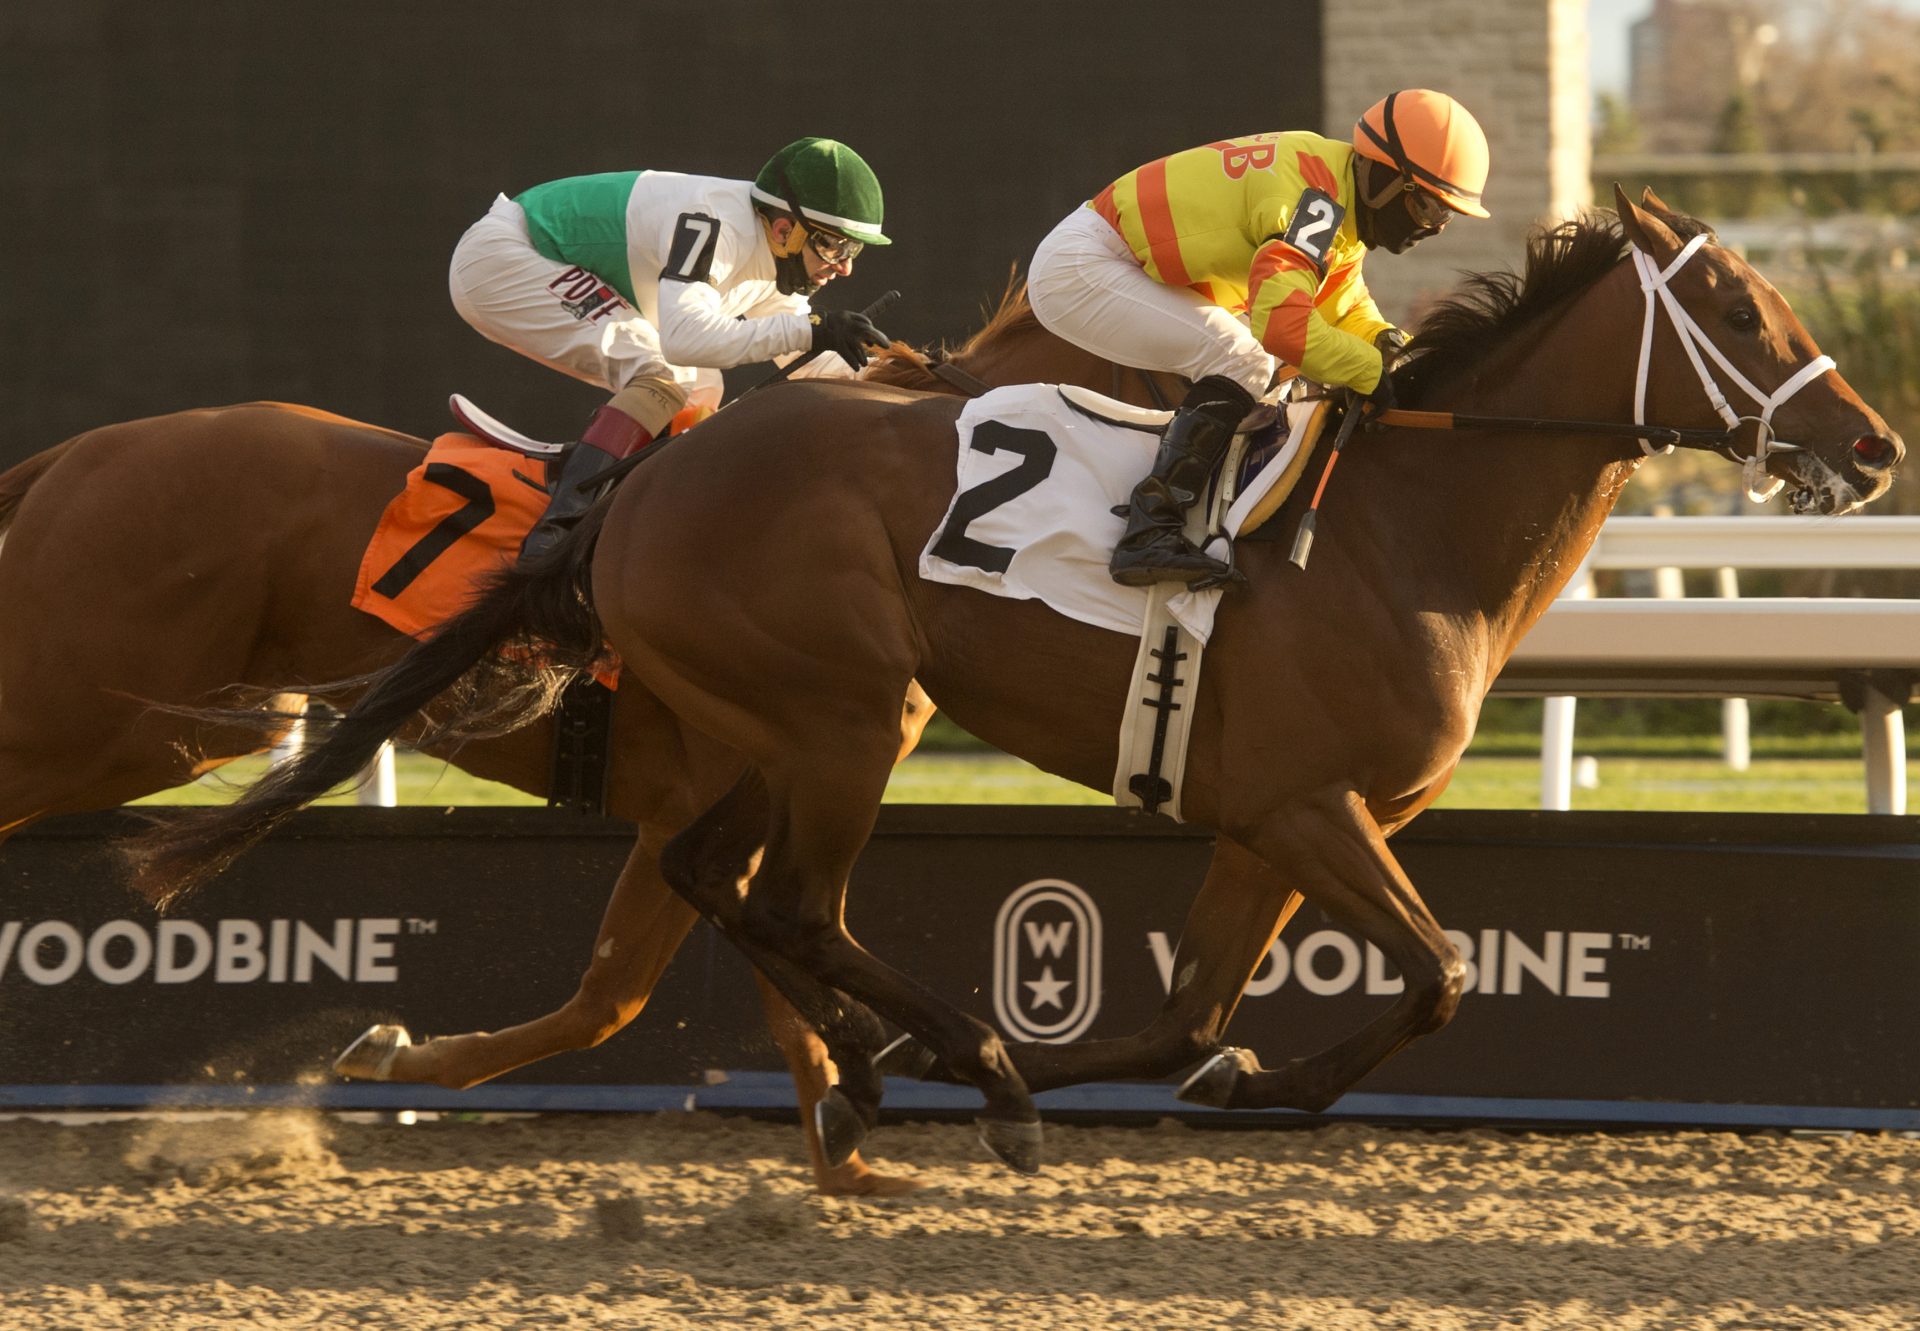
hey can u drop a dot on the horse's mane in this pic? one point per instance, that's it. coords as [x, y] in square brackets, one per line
[1489, 308]
[906, 367]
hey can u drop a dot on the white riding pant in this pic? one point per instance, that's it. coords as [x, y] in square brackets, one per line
[1086, 286]
[564, 317]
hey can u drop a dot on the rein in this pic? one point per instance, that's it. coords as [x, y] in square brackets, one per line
[1660, 438]
[1668, 436]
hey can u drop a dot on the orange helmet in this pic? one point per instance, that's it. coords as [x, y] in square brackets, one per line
[1433, 141]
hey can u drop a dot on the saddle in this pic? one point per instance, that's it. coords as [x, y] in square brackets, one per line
[490, 430]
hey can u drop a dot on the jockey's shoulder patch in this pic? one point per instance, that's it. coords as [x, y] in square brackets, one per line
[1316, 221]
[690, 256]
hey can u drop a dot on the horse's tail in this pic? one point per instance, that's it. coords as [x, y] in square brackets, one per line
[530, 630]
[16, 481]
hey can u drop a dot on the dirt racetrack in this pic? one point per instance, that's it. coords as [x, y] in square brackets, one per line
[297, 1220]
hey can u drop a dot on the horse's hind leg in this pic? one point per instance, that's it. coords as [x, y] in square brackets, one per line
[643, 925]
[711, 864]
[1332, 848]
[821, 819]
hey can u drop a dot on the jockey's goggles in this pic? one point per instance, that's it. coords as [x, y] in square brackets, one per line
[1428, 210]
[832, 247]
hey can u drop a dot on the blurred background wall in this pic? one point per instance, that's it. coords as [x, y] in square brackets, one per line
[225, 200]
[221, 200]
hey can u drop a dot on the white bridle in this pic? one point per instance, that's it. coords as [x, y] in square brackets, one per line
[1653, 281]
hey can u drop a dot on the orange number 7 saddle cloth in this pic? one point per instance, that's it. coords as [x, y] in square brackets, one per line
[463, 514]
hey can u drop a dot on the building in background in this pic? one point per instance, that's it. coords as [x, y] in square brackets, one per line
[1694, 66]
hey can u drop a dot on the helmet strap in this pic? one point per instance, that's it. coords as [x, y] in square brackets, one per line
[790, 273]
[1391, 185]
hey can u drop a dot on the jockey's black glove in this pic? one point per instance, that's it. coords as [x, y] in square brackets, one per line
[848, 334]
[1392, 345]
[1381, 398]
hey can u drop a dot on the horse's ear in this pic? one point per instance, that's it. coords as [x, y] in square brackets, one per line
[1648, 199]
[1647, 233]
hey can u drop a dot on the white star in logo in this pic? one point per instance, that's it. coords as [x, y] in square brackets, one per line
[1046, 989]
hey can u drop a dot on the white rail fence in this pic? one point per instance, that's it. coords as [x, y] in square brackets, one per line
[1861, 652]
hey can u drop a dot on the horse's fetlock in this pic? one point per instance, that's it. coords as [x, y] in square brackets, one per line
[1188, 1042]
[1440, 993]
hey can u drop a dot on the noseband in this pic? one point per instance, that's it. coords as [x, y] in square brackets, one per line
[1653, 283]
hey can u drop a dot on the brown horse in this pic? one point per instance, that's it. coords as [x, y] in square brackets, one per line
[1335, 704]
[245, 526]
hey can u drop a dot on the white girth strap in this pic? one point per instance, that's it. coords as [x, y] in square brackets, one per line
[1653, 282]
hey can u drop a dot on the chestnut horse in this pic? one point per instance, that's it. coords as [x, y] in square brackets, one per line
[1335, 704]
[161, 561]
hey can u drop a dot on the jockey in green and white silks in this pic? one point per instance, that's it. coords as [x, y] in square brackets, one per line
[649, 283]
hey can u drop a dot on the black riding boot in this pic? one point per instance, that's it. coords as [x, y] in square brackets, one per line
[610, 437]
[1154, 548]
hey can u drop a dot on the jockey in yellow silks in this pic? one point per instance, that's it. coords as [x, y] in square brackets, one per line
[1222, 262]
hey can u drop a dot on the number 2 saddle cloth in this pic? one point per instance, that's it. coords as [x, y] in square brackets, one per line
[1041, 469]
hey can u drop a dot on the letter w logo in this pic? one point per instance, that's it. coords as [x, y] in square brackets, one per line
[1048, 940]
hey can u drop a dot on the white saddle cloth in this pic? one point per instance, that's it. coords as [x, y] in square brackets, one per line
[1046, 531]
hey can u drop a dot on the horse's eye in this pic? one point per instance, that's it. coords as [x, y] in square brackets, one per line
[1743, 319]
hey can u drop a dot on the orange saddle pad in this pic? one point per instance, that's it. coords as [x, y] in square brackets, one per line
[463, 515]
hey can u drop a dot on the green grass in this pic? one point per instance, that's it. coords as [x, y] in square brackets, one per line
[1657, 773]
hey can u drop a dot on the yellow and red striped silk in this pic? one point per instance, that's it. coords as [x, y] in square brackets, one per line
[1211, 219]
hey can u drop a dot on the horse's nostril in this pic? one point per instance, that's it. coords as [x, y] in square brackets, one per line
[1876, 451]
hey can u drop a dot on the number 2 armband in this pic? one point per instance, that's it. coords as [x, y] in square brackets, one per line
[1316, 221]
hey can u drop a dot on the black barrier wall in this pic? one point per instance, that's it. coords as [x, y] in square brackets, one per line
[1729, 960]
[227, 200]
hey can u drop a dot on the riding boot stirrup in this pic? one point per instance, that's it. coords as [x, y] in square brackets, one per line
[1154, 547]
[611, 436]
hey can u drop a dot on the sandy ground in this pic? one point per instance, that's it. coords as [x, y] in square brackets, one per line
[296, 1220]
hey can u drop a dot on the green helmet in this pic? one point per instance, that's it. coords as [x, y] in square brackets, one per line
[825, 182]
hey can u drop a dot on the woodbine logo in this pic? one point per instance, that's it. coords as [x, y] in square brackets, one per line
[1046, 962]
[1569, 963]
[48, 952]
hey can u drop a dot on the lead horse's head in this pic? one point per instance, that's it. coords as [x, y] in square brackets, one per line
[1718, 338]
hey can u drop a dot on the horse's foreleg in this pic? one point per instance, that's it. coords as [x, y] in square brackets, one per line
[813, 1076]
[1240, 909]
[642, 928]
[1332, 849]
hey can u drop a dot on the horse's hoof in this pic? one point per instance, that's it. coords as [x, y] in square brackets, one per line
[840, 1127]
[1017, 1144]
[1213, 1083]
[370, 1058]
[905, 1057]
